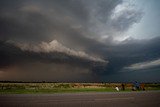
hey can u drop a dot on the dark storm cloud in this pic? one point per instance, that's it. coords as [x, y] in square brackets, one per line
[120, 56]
[11, 54]
[50, 66]
[76, 24]
[89, 26]
[130, 52]
[67, 21]
[130, 60]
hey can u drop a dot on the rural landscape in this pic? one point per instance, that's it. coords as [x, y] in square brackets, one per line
[79, 53]
[45, 88]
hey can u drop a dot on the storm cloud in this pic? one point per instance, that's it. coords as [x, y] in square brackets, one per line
[73, 41]
[65, 21]
[144, 65]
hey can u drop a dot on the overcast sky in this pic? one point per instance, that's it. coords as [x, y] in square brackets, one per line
[80, 40]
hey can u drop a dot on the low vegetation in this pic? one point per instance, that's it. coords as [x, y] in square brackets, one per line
[20, 88]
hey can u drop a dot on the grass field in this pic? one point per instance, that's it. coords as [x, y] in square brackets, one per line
[33, 88]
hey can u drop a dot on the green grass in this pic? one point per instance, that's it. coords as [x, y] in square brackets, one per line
[42, 88]
[24, 91]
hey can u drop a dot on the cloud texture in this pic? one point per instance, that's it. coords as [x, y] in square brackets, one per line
[68, 40]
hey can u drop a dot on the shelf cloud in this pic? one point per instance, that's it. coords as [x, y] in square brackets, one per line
[79, 40]
[55, 46]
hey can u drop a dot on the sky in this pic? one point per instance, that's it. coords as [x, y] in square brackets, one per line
[80, 40]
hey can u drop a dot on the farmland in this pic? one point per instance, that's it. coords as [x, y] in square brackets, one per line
[33, 88]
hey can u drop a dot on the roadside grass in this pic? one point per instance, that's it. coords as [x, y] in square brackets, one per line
[61, 90]
[43, 88]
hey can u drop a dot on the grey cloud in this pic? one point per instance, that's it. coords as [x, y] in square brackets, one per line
[127, 53]
[125, 19]
[46, 62]
[84, 25]
[10, 54]
[50, 66]
[66, 21]
[119, 56]
[55, 46]
[144, 65]
[110, 21]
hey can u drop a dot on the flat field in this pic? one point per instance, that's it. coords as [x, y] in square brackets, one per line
[33, 88]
